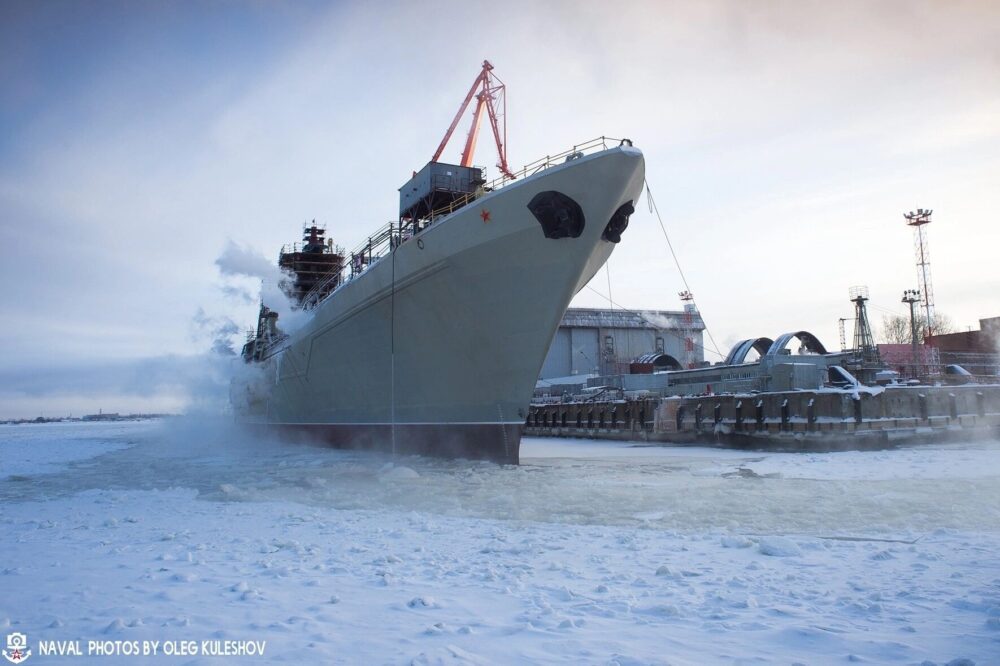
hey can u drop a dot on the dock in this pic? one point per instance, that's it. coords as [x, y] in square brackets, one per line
[822, 419]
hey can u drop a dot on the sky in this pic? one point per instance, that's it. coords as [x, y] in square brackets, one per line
[783, 143]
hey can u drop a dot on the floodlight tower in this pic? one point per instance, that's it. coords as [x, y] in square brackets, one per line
[911, 297]
[918, 220]
[687, 298]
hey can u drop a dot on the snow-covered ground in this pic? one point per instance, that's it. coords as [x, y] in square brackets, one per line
[589, 552]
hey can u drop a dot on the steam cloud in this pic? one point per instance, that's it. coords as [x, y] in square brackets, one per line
[237, 293]
[219, 329]
[241, 261]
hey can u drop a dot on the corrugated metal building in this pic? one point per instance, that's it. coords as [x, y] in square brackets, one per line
[605, 342]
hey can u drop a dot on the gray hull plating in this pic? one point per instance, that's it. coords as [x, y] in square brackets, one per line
[436, 348]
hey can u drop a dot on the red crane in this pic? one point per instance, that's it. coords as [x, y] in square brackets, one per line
[491, 95]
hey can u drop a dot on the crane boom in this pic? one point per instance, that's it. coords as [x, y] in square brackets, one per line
[492, 92]
[470, 141]
[458, 116]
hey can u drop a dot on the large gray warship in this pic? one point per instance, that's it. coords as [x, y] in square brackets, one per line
[429, 337]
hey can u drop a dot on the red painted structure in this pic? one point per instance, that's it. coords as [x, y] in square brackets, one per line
[491, 98]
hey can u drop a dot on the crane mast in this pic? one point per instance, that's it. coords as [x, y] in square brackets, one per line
[492, 99]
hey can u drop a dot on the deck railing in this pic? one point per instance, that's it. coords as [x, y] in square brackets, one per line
[579, 150]
[392, 234]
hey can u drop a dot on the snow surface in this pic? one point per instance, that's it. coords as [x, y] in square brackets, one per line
[36, 448]
[589, 552]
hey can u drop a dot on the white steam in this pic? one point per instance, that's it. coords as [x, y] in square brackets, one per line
[237, 293]
[220, 330]
[662, 322]
[241, 261]
[212, 384]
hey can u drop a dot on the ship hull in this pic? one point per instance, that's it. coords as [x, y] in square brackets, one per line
[436, 348]
[475, 441]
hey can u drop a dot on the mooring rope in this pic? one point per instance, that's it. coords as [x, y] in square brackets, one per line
[663, 228]
[657, 325]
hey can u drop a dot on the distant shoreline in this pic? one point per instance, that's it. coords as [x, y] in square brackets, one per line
[89, 418]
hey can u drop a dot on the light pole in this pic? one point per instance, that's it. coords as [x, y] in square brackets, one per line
[918, 221]
[912, 297]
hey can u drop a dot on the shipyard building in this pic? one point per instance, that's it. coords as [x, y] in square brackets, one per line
[613, 341]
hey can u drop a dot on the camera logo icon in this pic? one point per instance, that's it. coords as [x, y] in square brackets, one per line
[17, 648]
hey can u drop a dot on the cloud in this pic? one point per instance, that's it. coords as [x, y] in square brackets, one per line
[145, 377]
[158, 383]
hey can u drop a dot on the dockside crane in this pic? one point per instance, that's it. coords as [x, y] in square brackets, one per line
[491, 98]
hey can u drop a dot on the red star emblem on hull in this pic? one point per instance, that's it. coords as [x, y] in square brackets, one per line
[485, 214]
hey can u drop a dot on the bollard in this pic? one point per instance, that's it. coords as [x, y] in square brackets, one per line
[697, 418]
[980, 404]
[857, 409]
[784, 414]
[952, 406]
[922, 399]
